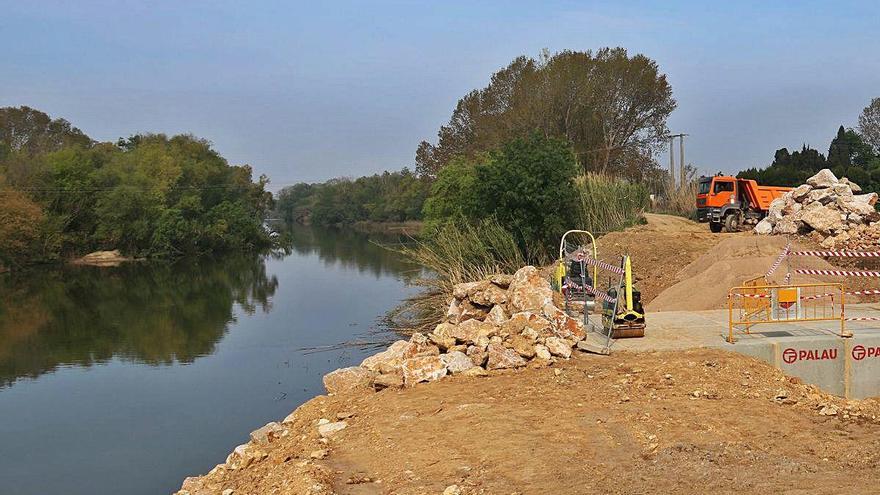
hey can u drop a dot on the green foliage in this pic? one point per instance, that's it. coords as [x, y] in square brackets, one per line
[149, 195]
[453, 193]
[31, 132]
[611, 107]
[22, 229]
[527, 185]
[848, 156]
[869, 124]
[386, 197]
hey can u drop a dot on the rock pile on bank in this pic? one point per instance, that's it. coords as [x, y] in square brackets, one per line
[500, 323]
[831, 208]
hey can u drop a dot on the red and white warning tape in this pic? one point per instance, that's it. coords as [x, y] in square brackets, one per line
[605, 266]
[864, 292]
[753, 296]
[839, 273]
[845, 254]
[598, 293]
[778, 261]
[817, 296]
[863, 318]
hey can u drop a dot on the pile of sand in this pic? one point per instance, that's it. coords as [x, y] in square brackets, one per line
[704, 283]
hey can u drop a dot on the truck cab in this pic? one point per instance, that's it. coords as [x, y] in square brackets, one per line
[727, 203]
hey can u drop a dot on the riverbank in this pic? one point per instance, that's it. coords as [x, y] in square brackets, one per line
[678, 422]
[510, 407]
[411, 228]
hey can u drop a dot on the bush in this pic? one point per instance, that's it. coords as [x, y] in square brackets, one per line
[22, 229]
[527, 186]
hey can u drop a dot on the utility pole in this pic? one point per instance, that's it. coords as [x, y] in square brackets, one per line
[681, 163]
[681, 159]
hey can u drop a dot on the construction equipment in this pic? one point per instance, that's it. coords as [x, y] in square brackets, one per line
[572, 277]
[728, 203]
[625, 316]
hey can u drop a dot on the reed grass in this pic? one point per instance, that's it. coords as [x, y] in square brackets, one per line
[679, 201]
[454, 253]
[608, 204]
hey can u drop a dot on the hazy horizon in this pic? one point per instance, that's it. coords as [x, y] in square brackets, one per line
[307, 92]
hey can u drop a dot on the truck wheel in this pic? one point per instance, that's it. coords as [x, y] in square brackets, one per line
[715, 227]
[731, 223]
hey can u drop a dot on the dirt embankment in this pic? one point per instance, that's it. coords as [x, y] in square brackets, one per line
[702, 421]
[659, 250]
[703, 284]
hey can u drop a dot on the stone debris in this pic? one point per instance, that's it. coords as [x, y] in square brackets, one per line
[452, 490]
[327, 430]
[501, 357]
[267, 433]
[829, 208]
[503, 322]
[347, 379]
[319, 454]
[457, 361]
[423, 369]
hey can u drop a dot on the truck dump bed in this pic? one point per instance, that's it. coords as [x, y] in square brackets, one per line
[762, 196]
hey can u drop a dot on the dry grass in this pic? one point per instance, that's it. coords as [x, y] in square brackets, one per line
[454, 254]
[608, 204]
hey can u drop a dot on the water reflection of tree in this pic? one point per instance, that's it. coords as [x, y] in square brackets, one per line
[351, 249]
[152, 313]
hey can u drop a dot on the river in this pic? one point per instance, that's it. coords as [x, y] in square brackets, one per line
[128, 379]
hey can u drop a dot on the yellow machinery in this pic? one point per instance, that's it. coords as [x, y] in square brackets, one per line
[625, 315]
[622, 313]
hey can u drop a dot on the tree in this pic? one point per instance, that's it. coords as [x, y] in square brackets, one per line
[846, 150]
[21, 232]
[848, 156]
[527, 185]
[29, 131]
[386, 197]
[452, 194]
[869, 124]
[611, 107]
[630, 101]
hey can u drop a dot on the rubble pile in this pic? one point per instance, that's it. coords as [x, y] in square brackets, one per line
[500, 323]
[831, 208]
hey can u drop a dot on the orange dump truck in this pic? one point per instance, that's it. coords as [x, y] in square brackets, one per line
[728, 203]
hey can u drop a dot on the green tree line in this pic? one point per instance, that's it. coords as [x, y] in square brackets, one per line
[149, 195]
[853, 153]
[386, 197]
[512, 150]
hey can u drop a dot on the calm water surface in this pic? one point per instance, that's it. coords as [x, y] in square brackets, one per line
[128, 379]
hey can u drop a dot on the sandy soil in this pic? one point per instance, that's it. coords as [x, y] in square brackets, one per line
[659, 250]
[702, 421]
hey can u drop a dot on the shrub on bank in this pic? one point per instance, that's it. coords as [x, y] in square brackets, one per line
[527, 186]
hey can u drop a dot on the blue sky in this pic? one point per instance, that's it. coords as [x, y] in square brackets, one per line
[305, 91]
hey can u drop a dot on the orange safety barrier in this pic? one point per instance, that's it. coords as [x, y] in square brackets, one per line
[754, 303]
